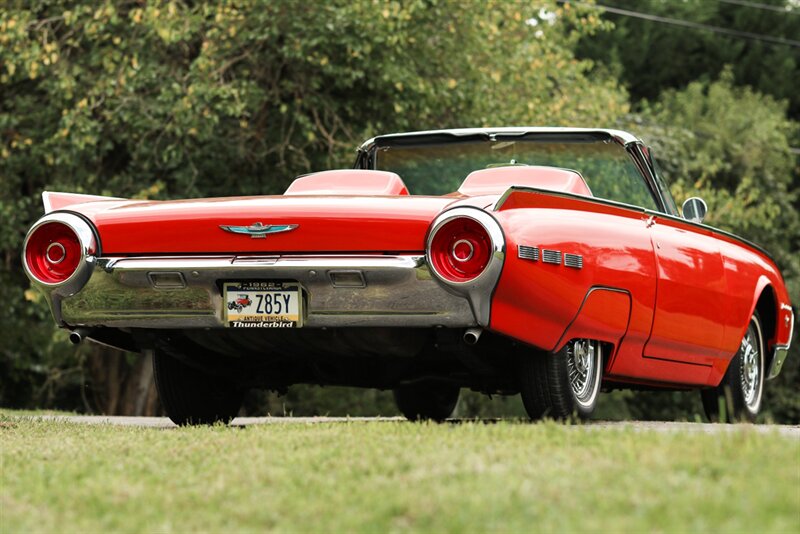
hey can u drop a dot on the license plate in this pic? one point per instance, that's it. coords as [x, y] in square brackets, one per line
[262, 305]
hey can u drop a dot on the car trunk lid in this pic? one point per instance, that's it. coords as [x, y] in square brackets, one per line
[259, 225]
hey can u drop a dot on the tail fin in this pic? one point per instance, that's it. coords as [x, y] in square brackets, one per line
[57, 201]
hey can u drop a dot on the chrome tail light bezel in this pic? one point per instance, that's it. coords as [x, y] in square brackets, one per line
[477, 290]
[88, 244]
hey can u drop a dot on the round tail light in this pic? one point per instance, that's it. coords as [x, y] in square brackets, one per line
[56, 248]
[460, 249]
[465, 252]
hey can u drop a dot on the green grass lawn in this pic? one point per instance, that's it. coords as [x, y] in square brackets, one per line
[393, 476]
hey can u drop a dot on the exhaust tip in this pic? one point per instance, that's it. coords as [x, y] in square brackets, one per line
[472, 335]
[78, 335]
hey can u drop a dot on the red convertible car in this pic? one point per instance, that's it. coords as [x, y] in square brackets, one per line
[549, 262]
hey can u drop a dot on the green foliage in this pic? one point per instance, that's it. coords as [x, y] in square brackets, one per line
[731, 146]
[165, 99]
[650, 56]
[702, 105]
[168, 100]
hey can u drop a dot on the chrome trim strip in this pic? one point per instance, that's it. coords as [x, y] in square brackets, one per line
[780, 352]
[702, 226]
[398, 291]
[480, 289]
[596, 200]
[623, 138]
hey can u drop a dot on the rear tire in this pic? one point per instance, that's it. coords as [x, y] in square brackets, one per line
[738, 396]
[191, 397]
[433, 401]
[564, 383]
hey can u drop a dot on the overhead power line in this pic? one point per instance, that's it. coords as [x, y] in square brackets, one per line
[689, 24]
[768, 7]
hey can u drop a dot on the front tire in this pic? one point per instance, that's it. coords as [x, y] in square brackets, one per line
[426, 401]
[738, 396]
[191, 397]
[563, 383]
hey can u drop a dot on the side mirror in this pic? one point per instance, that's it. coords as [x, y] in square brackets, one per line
[695, 209]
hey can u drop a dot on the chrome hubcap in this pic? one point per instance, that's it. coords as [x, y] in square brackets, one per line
[582, 366]
[750, 369]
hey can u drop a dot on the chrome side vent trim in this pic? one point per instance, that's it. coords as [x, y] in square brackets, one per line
[528, 253]
[573, 260]
[551, 256]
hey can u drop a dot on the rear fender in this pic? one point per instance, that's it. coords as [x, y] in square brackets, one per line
[54, 201]
[604, 315]
[773, 315]
[777, 322]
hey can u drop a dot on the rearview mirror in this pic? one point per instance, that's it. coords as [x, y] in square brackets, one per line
[695, 209]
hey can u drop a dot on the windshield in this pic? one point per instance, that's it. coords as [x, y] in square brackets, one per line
[662, 184]
[438, 168]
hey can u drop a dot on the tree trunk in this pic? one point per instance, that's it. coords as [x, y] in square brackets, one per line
[121, 382]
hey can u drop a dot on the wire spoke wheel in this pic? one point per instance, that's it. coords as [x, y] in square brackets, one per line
[750, 369]
[582, 368]
[738, 396]
[563, 383]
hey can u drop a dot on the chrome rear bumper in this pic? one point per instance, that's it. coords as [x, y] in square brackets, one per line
[185, 292]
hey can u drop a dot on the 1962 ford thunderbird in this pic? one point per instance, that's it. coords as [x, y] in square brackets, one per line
[543, 261]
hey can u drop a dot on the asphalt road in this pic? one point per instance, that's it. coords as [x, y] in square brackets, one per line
[658, 426]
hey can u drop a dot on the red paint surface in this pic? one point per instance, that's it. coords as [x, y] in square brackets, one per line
[58, 264]
[461, 249]
[692, 294]
[688, 291]
[54, 201]
[325, 224]
[604, 316]
[535, 301]
[348, 182]
[692, 290]
[499, 179]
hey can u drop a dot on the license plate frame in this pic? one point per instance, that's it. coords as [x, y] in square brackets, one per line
[262, 304]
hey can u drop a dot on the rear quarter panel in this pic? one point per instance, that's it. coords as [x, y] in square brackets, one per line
[536, 302]
[544, 304]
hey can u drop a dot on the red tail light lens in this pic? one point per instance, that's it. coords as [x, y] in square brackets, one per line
[460, 250]
[53, 252]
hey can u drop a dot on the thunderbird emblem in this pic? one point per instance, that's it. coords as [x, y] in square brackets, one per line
[259, 230]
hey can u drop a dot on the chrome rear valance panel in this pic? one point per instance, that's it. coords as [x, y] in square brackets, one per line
[185, 292]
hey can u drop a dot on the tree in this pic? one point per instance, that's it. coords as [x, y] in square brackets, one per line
[731, 146]
[165, 99]
[721, 112]
[652, 56]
